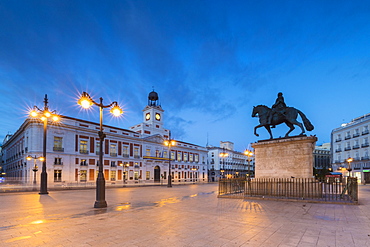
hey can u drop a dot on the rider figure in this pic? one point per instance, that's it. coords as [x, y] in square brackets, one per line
[278, 107]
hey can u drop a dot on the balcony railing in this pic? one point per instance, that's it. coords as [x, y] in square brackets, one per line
[338, 140]
[356, 146]
[365, 132]
[338, 150]
[347, 137]
[365, 158]
[83, 164]
[347, 148]
[58, 149]
[365, 145]
[136, 156]
[84, 151]
[125, 155]
[356, 135]
[113, 154]
[58, 163]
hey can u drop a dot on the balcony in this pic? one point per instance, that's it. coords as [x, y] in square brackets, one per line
[136, 156]
[338, 140]
[338, 150]
[356, 146]
[83, 163]
[347, 137]
[365, 132]
[347, 148]
[84, 151]
[365, 158]
[58, 149]
[113, 154]
[58, 163]
[113, 165]
[365, 145]
[356, 135]
[125, 155]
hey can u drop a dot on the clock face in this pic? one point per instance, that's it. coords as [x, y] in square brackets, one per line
[147, 116]
[158, 116]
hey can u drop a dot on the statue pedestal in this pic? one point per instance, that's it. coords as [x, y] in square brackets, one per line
[285, 157]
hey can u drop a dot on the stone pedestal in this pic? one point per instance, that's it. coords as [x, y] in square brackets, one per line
[285, 157]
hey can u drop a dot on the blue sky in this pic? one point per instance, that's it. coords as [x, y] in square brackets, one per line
[209, 61]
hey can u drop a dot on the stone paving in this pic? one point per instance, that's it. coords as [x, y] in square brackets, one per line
[188, 215]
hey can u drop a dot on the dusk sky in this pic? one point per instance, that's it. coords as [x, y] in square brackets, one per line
[209, 61]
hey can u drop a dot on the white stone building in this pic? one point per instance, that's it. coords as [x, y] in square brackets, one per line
[224, 162]
[135, 155]
[351, 140]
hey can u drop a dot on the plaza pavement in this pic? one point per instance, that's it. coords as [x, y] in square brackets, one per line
[187, 215]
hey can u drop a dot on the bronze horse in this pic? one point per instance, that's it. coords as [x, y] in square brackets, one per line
[289, 117]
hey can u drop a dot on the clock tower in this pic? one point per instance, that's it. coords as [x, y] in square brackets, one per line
[152, 118]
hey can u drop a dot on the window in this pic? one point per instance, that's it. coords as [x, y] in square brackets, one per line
[179, 154]
[112, 175]
[83, 175]
[58, 161]
[83, 147]
[97, 147]
[157, 153]
[165, 154]
[172, 155]
[136, 175]
[58, 144]
[191, 157]
[113, 164]
[57, 176]
[113, 150]
[185, 157]
[147, 152]
[83, 162]
[136, 153]
[147, 175]
[125, 151]
[197, 158]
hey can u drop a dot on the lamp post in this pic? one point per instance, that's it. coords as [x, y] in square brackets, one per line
[223, 155]
[349, 169]
[125, 167]
[169, 143]
[86, 102]
[35, 167]
[44, 114]
[249, 154]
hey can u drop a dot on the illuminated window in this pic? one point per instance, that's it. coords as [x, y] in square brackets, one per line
[83, 147]
[57, 175]
[125, 151]
[112, 175]
[58, 144]
[179, 156]
[113, 150]
[147, 175]
[83, 175]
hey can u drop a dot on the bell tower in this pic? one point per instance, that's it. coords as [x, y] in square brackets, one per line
[152, 118]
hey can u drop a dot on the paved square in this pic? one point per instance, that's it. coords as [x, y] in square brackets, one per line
[188, 215]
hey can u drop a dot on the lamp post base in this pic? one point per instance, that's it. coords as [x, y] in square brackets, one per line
[169, 181]
[100, 204]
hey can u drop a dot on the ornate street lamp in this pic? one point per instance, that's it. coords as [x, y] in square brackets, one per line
[125, 169]
[169, 143]
[249, 154]
[44, 114]
[86, 102]
[349, 169]
[224, 155]
[35, 167]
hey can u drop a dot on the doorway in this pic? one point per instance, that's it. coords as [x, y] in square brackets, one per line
[157, 174]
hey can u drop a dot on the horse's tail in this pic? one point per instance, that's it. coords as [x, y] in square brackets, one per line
[306, 122]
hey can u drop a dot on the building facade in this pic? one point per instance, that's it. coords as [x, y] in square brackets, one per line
[135, 155]
[351, 140]
[224, 162]
[321, 156]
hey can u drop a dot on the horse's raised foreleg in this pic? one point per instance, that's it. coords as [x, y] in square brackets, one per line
[255, 129]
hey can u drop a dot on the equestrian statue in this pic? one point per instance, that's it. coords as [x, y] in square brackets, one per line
[278, 114]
